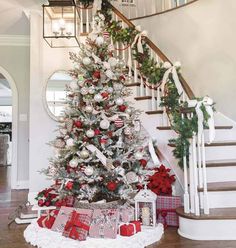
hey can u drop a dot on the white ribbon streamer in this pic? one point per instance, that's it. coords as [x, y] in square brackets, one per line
[98, 153]
[153, 154]
[207, 102]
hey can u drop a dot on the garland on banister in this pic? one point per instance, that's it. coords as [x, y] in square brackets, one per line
[153, 73]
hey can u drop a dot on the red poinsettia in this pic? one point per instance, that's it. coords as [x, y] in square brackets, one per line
[160, 182]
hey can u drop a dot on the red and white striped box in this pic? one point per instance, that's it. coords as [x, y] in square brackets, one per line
[166, 210]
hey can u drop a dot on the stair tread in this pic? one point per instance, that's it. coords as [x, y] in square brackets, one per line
[139, 98]
[216, 143]
[215, 214]
[132, 84]
[221, 163]
[153, 112]
[220, 186]
[216, 127]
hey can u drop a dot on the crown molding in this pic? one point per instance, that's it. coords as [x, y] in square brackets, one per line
[14, 40]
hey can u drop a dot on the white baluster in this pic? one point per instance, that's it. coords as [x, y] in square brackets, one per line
[122, 45]
[153, 91]
[191, 179]
[142, 89]
[159, 99]
[200, 179]
[87, 20]
[129, 8]
[177, 3]
[81, 19]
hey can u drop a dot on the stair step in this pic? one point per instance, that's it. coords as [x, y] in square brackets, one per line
[220, 186]
[216, 127]
[220, 163]
[140, 98]
[154, 112]
[215, 214]
[217, 143]
[132, 85]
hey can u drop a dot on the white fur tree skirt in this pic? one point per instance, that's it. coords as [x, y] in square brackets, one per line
[44, 238]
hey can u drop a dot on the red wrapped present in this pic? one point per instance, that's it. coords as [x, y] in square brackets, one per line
[166, 210]
[77, 227]
[47, 220]
[130, 229]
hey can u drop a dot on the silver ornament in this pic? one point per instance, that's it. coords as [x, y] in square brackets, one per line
[84, 153]
[88, 109]
[119, 101]
[84, 91]
[99, 40]
[88, 171]
[90, 133]
[104, 124]
[74, 162]
[109, 89]
[91, 90]
[98, 98]
[86, 61]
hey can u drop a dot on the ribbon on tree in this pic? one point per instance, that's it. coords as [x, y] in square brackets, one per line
[164, 213]
[153, 154]
[99, 154]
[207, 102]
[172, 70]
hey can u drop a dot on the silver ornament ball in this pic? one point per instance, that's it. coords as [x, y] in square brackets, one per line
[90, 133]
[88, 109]
[89, 171]
[104, 124]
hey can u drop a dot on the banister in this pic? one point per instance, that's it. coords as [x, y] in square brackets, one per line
[163, 57]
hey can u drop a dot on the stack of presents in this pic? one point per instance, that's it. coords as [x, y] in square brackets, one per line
[103, 222]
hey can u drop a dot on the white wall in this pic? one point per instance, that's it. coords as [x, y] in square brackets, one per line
[44, 62]
[202, 36]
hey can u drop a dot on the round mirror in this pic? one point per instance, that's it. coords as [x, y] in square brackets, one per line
[55, 93]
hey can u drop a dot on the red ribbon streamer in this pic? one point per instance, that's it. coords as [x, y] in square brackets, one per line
[163, 212]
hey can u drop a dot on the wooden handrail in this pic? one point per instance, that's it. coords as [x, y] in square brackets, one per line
[163, 57]
[164, 11]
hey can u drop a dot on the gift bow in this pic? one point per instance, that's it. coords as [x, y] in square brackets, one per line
[47, 215]
[73, 223]
[207, 102]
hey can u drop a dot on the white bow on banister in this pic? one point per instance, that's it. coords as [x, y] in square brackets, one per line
[175, 77]
[207, 102]
[97, 5]
[153, 154]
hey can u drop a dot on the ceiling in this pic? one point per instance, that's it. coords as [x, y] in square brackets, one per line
[13, 21]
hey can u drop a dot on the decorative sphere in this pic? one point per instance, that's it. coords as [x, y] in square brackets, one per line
[89, 171]
[88, 109]
[109, 74]
[70, 142]
[99, 41]
[74, 162]
[109, 89]
[119, 101]
[138, 155]
[74, 85]
[177, 64]
[117, 86]
[131, 177]
[91, 90]
[104, 124]
[112, 61]
[84, 154]
[86, 61]
[98, 98]
[84, 91]
[167, 65]
[90, 133]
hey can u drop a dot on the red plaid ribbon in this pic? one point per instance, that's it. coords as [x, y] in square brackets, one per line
[75, 223]
[164, 212]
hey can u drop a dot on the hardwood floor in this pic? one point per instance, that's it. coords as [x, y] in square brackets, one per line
[13, 237]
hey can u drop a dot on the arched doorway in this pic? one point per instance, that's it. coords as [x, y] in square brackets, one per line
[14, 102]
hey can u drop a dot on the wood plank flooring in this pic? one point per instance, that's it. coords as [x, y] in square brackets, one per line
[13, 237]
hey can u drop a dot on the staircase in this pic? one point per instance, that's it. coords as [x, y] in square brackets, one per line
[209, 185]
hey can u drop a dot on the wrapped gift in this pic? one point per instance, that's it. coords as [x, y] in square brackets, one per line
[166, 210]
[66, 202]
[130, 229]
[127, 213]
[47, 220]
[78, 225]
[104, 223]
[62, 218]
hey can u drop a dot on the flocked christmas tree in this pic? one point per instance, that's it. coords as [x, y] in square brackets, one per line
[101, 152]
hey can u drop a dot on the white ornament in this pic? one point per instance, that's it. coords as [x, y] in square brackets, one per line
[84, 154]
[90, 133]
[99, 41]
[86, 61]
[70, 142]
[109, 89]
[167, 65]
[88, 171]
[107, 65]
[109, 74]
[84, 91]
[74, 85]
[131, 177]
[91, 90]
[88, 109]
[117, 86]
[104, 124]
[74, 162]
[112, 61]
[138, 155]
[119, 101]
[127, 131]
[98, 98]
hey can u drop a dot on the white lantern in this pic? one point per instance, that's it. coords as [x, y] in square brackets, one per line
[145, 207]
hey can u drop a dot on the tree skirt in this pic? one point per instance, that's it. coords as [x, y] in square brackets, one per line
[44, 238]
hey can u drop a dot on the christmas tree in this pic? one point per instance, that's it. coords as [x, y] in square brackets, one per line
[101, 151]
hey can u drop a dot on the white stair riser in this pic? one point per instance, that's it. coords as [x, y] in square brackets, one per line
[220, 152]
[207, 229]
[221, 174]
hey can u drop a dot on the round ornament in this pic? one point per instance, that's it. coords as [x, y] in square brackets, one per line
[74, 85]
[91, 90]
[88, 171]
[105, 95]
[117, 86]
[119, 101]
[122, 108]
[112, 61]
[84, 91]
[98, 98]
[78, 124]
[119, 123]
[109, 74]
[74, 162]
[70, 142]
[97, 74]
[59, 143]
[138, 155]
[86, 61]
[104, 124]
[112, 186]
[69, 185]
[88, 109]
[109, 89]
[128, 131]
[143, 162]
[90, 133]
[84, 153]
[97, 132]
[131, 177]
[99, 40]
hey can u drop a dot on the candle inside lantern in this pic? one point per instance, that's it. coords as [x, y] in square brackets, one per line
[146, 216]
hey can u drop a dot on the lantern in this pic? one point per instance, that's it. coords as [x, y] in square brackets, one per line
[61, 23]
[145, 207]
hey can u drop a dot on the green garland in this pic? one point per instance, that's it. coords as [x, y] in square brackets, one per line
[154, 72]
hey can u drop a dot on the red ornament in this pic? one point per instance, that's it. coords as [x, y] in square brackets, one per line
[97, 74]
[110, 134]
[69, 185]
[119, 123]
[103, 141]
[143, 162]
[41, 203]
[105, 94]
[122, 78]
[47, 203]
[78, 124]
[112, 186]
[85, 139]
[122, 108]
[97, 132]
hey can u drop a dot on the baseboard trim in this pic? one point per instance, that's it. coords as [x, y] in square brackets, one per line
[21, 185]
